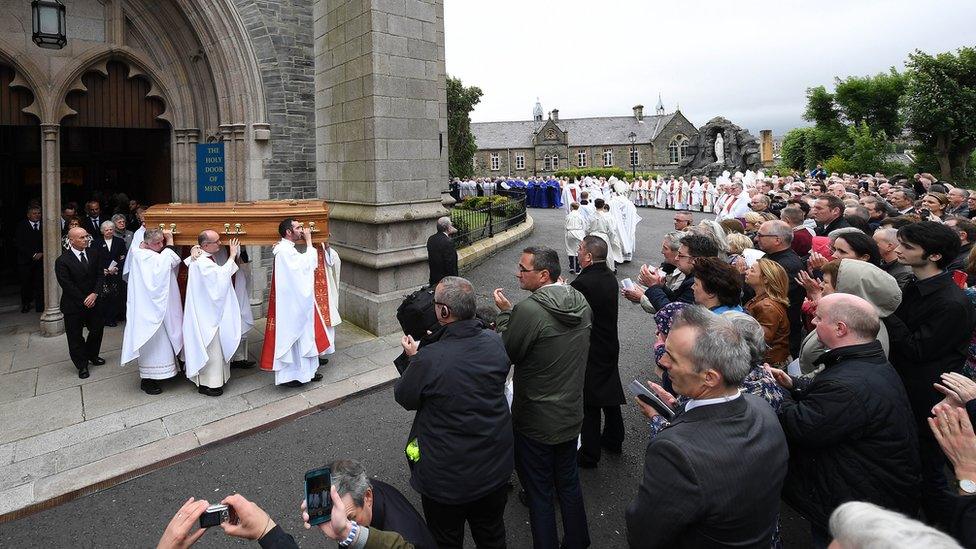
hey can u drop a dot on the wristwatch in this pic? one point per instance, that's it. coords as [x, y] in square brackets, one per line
[354, 530]
[967, 486]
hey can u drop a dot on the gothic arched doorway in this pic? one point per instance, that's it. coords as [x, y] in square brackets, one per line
[20, 181]
[115, 143]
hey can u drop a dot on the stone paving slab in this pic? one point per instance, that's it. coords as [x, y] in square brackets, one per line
[61, 436]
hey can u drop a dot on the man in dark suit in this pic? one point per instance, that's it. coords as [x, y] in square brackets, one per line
[67, 214]
[92, 220]
[601, 386]
[30, 260]
[713, 477]
[80, 274]
[441, 253]
[111, 248]
[828, 212]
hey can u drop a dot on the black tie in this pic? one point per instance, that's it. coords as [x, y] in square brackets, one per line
[84, 260]
[35, 225]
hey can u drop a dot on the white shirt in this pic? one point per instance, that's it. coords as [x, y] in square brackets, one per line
[108, 244]
[78, 253]
[692, 404]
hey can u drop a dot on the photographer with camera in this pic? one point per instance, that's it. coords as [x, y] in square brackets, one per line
[246, 520]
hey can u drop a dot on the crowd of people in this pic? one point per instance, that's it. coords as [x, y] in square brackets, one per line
[813, 343]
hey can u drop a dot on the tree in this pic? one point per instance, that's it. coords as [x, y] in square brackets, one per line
[872, 99]
[821, 109]
[867, 150]
[940, 106]
[461, 147]
[792, 150]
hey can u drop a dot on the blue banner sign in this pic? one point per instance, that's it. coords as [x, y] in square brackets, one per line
[210, 172]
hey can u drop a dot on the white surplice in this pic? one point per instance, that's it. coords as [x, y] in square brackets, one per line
[212, 313]
[295, 351]
[575, 232]
[243, 288]
[154, 326]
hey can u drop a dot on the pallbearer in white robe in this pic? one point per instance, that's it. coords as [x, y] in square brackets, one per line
[154, 327]
[243, 288]
[602, 225]
[212, 315]
[294, 337]
[137, 239]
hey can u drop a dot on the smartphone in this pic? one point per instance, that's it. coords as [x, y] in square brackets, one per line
[318, 496]
[648, 397]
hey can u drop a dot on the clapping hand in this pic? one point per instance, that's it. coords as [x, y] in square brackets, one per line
[953, 430]
[501, 301]
[813, 286]
[957, 388]
[648, 278]
[816, 261]
[782, 378]
[177, 534]
[633, 294]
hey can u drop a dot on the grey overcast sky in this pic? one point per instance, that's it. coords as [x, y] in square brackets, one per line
[748, 60]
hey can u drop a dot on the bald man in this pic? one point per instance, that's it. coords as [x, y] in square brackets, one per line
[850, 429]
[80, 274]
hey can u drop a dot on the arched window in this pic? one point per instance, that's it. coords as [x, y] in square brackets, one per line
[545, 163]
[555, 162]
[677, 148]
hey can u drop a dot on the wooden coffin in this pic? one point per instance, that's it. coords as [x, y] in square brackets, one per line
[254, 223]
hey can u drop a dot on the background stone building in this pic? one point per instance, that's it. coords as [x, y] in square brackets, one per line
[540, 146]
[337, 99]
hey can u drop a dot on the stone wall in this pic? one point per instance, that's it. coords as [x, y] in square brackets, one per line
[381, 135]
[281, 34]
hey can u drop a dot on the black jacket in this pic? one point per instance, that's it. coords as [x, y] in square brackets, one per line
[959, 263]
[851, 437]
[712, 479]
[929, 336]
[116, 254]
[463, 425]
[93, 229]
[838, 223]
[76, 281]
[393, 513]
[660, 296]
[28, 241]
[601, 386]
[441, 257]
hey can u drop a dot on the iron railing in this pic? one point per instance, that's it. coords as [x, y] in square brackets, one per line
[477, 224]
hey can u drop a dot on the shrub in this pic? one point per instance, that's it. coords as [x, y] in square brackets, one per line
[837, 164]
[580, 173]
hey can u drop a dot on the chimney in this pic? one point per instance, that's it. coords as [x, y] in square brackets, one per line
[554, 115]
[639, 112]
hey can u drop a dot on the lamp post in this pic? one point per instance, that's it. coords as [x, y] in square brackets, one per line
[48, 24]
[633, 155]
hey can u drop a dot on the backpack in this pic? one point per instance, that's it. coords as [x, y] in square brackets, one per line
[416, 313]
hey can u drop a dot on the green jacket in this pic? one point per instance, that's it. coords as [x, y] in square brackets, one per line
[547, 337]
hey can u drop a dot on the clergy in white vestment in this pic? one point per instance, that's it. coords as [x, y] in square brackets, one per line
[294, 337]
[243, 288]
[575, 233]
[587, 209]
[571, 193]
[212, 314]
[735, 204]
[154, 327]
[624, 214]
[601, 224]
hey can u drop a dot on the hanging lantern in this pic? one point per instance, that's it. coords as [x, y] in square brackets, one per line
[48, 18]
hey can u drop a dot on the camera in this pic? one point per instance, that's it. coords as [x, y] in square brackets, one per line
[214, 515]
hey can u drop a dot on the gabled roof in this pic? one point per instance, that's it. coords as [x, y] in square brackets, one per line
[603, 130]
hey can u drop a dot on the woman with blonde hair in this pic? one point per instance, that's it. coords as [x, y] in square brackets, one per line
[771, 284]
[752, 220]
[737, 243]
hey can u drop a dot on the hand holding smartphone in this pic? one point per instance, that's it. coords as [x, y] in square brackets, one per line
[318, 497]
[648, 397]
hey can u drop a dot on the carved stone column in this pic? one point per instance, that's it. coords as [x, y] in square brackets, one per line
[52, 321]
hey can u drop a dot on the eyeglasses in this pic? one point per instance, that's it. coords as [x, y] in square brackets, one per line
[679, 220]
[683, 256]
[524, 270]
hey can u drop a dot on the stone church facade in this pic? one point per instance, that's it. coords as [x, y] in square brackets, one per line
[342, 100]
[540, 146]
